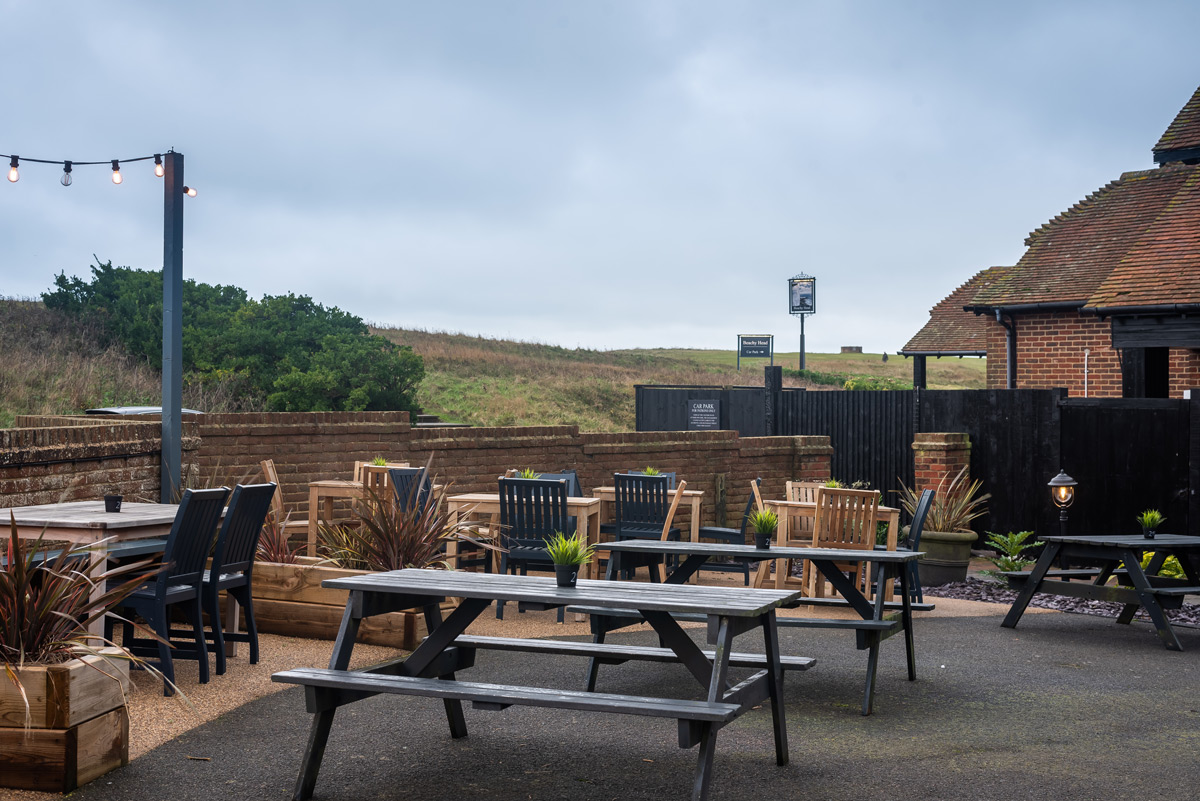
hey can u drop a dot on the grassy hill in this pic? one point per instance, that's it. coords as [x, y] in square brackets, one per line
[50, 365]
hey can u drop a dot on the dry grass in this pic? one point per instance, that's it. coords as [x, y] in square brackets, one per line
[51, 364]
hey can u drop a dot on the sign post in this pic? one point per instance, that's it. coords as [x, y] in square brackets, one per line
[755, 346]
[802, 301]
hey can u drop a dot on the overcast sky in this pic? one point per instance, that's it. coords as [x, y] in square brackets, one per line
[615, 174]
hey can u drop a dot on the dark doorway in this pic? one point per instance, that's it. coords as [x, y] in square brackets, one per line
[1158, 373]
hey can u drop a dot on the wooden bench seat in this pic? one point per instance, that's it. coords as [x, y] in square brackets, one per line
[500, 696]
[842, 603]
[889, 625]
[609, 653]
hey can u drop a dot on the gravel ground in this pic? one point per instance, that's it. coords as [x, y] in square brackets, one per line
[978, 589]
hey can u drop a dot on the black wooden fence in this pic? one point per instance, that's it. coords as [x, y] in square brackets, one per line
[1127, 455]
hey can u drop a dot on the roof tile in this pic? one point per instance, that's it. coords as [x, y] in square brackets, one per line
[1184, 131]
[951, 330]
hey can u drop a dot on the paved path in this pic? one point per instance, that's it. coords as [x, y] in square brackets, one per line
[1064, 707]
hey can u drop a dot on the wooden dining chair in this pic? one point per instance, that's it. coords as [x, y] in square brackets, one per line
[844, 518]
[531, 511]
[644, 509]
[733, 536]
[288, 522]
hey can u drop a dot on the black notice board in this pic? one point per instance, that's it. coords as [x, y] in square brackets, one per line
[704, 415]
[754, 346]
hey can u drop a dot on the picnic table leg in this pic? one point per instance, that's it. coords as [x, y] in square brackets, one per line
[318, 735]
[716, 692]
[704, 761]
[454, 710]
[1044, 562]
[775, 687]
[1141, 585]
[873, 658]
[907, 621]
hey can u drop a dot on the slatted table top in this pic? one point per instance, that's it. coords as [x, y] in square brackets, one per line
[750, 552]
[727, 601]
[91, 515]
[1127, 540]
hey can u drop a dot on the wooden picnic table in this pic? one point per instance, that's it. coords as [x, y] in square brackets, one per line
[878, 619]
[430, 671]
[1118, 555]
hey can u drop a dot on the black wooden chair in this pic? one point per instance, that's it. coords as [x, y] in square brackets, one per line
[411, 484]
[531, 510]
[912, 542]
[644, 508]
[187, 549]
[233, 563]
[733, 536]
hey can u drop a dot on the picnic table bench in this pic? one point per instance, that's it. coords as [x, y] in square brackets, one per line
[878, 619]
[429, 671]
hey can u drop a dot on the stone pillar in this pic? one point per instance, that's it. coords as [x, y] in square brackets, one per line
[940, 456]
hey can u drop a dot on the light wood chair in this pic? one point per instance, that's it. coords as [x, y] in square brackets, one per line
[800, 529]
[803, 491]
[844, 518]
[288, 523]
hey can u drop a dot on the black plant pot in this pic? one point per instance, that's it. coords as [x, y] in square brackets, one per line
[1148, 533]
[112, 503]
[762, 541]
[566, 575]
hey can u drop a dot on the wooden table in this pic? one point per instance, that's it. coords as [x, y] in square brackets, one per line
[789, 510]
[487, 504]
[86, 523]
[1119, 555]
[877, 619]
[430, 670]
[693, 498]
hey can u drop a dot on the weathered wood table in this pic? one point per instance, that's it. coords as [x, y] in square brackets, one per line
[86, 522]
[878, 619]
[430, 670]
[1119, 555]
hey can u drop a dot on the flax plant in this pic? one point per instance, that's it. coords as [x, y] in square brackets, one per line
[955, 504]
[46, 606]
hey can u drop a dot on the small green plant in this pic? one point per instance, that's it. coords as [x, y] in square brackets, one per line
[528, 472]
[1170, 567]
[833, 483]
[764, 521]
[1010, 549]
[564, 550]
[379, 461]
[1151, 519]
[651, 471]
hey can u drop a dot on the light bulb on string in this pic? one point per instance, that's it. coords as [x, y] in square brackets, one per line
[13, 175]
[116, 171]
[158, 165]
[66, 176]
[190, 191]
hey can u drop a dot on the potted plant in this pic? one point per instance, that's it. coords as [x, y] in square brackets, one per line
[568, 554]
[528, 472]
[947, 537]
[63, 720]
[764, 522]
[1150, 520]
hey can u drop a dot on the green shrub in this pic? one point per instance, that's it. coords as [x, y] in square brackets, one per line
[1010, 549]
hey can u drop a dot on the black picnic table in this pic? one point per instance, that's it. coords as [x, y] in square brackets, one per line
[430, 670]
[878, 619]
[1120, 556]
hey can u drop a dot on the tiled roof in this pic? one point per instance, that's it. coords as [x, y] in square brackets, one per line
[1184, 131]
[1147, 222]
[951, 330]
[1163, 266]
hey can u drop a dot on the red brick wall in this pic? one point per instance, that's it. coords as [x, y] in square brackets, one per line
[938, 457]
[227, 448]
[81, 462]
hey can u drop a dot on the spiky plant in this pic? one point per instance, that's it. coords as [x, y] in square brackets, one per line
[273, 545]
[528, 472]
[564, 550]
[764, 521]
[955, 504]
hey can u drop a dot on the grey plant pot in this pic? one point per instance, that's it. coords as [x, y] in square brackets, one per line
[947, 556]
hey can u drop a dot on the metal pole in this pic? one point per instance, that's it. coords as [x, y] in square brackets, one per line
[802, 360]
[170, 476]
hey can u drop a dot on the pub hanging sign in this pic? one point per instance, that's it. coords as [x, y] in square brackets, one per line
[802, 295]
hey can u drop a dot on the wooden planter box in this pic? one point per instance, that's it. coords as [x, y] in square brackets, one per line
[289, 600]
[79, 725]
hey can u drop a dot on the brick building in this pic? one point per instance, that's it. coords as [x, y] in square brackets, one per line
[1106, 299]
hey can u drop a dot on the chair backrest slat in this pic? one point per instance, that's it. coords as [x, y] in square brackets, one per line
[192, 534]
[411, 485]
[754, 498]
[670, 476]
[845, 518]
[243, 525]
[532, 509]
[639, 500]
[918, 522]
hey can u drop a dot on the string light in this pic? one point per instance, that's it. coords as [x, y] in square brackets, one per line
[67, 176]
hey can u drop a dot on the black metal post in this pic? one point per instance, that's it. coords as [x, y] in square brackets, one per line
[802, 360]
[171, 473]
